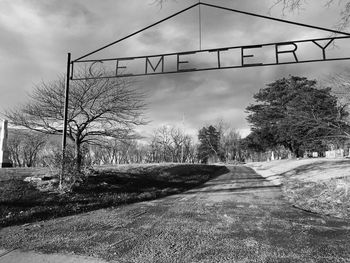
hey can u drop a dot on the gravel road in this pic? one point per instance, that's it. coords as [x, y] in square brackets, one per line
[237, 217]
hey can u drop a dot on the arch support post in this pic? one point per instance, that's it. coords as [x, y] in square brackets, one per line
[65, 116]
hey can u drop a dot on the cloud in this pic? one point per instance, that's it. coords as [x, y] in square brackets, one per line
[69, 13]
[37, 34]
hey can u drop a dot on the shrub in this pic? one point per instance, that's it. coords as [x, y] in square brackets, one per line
[66, 171]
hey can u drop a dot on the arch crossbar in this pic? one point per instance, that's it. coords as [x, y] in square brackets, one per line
[155, 64]
[216, 7]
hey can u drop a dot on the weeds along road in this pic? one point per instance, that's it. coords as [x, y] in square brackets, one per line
[237, 217]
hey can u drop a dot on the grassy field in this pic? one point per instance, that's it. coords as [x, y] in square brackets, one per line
[316, 185]
[21, 202]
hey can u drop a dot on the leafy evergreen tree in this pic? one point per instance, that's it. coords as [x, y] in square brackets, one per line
[294, 113]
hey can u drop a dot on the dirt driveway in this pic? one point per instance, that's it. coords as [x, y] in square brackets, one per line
[237, 217]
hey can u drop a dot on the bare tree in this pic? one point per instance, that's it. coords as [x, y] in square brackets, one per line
[293, 5]
[118, 152]
[230, 141]
[340, 84]
[170, 144]
[25, 146]
[98, 108]
[181, 145]
[163, 143]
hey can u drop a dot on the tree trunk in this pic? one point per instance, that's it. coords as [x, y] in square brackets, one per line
[78, 155]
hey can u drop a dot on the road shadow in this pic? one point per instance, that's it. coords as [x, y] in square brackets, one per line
[317, 166]
[21, 202]
[245, 180]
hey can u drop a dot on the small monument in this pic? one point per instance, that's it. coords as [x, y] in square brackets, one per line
[4, 153]
[272, 156]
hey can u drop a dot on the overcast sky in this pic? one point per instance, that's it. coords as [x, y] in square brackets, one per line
[37, 34]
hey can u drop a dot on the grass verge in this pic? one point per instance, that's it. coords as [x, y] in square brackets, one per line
[326, 196]
[317, 185]
[21, 202]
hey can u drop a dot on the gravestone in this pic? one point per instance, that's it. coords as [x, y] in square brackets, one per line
[4, 153]
[335, 154]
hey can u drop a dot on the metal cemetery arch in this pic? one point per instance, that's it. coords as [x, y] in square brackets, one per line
[151, 67]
